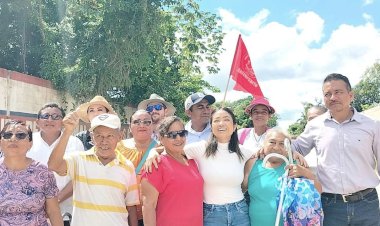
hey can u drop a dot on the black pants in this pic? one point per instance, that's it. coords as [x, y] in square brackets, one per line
[140, 223]
[66, 223]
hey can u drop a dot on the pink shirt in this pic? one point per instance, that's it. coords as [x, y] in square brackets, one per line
[180, 188]
[346, 152]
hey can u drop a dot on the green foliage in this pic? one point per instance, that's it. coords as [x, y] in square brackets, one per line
[298, 127]
[367, 91]
[123, 49]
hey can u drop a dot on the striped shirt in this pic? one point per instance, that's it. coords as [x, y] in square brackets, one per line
[101, 192]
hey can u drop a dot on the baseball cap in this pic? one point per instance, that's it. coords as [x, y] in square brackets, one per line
[196, 98]
[108, 120]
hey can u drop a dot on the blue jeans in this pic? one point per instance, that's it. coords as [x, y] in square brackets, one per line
[362, 213]
[232, 214]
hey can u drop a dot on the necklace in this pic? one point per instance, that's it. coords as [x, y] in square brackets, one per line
[258, 138]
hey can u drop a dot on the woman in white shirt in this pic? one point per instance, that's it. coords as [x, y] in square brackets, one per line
[221, 164]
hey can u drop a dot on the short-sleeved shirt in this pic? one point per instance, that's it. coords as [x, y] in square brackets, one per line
[101, 192]
[128, 149]
[41, 151]
[23, 194]
[180, 187]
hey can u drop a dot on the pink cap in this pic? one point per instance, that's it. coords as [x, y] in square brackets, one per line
[259, 101]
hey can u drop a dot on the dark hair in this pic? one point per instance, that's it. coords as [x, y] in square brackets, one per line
[233, 145]
[165, 124]
[336, 76]
[139, 111]
[16, 122]
[51, 105]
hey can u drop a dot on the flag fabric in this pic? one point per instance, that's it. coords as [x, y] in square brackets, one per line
[242, 71]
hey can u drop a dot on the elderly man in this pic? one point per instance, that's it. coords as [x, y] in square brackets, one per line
[347, 144]
[197, 108]
[105, 189]
[49, 121]
[158, 108]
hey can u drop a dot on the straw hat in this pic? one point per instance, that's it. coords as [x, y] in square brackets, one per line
[260, 101]
[156, 98]
[82, 109]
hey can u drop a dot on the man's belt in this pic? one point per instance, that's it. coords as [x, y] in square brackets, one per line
[353, 197]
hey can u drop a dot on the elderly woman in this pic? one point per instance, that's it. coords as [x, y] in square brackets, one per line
[28, 190]
[263, 179]
[173, 194]
[137, 148]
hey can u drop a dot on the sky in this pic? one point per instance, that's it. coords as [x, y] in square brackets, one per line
[295, 44]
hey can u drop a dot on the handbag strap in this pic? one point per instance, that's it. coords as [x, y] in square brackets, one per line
[244, 135]
[151, 145]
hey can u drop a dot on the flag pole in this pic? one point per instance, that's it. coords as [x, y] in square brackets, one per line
[225, 92]
[229, 77]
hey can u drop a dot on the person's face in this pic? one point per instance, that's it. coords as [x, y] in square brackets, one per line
[260, 115]
[336, 96]
[157, 115]
[105, 141]
[141, 126]
[95, 110]
[15, 146]
[313, 113]
[222, 126]
[50, 120]
[275, 143]
[176, 144]
[200, 112]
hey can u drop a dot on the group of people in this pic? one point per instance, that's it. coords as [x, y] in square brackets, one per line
[172, 173]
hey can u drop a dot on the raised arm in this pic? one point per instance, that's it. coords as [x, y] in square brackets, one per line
[56, 161]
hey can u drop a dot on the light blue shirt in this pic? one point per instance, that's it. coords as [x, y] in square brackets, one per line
[194, 136]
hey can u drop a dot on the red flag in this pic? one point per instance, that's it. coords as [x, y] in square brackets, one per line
[242, 72]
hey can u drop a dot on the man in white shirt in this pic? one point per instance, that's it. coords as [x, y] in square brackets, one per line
[49, 121]
[347, 144]
[198, 109]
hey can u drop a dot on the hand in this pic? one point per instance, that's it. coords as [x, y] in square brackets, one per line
[152, 159]
[70, 121]
[300, 159]
[300, 171]
[259, 154]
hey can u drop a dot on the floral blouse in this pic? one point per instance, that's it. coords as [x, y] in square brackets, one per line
[23, 195]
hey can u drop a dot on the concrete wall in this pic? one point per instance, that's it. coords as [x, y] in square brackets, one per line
[21, 97]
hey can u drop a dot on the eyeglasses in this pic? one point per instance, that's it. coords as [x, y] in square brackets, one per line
[173, 134]
[259, 113]
[139, 122]
[157, 107]
[46, 116]
[19, 136]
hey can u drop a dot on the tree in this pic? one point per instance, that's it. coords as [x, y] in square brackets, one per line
[125, 49]
[367, 91]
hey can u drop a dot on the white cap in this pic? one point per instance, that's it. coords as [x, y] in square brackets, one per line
[108, 120]
[196, 98]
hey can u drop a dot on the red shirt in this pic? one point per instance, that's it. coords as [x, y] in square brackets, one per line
[180, 187]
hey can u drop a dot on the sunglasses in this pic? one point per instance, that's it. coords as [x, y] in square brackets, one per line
[138, 122]
[19, 136]
[173, 134]
[46, 116]
[157, 107]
